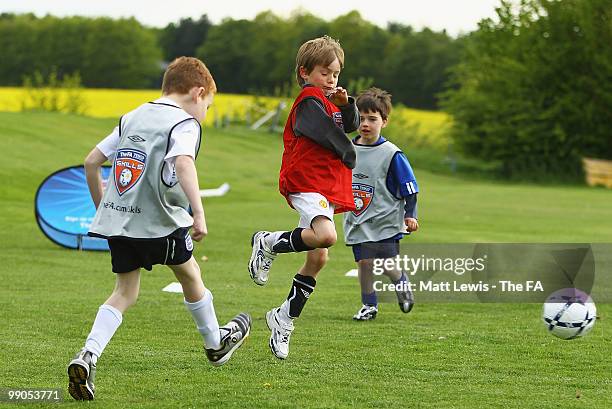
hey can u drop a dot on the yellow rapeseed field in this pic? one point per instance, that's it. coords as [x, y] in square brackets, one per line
[112, 103]
[427, 128]
[414, 127]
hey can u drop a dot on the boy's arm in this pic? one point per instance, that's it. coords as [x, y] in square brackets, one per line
[93, 162]
[410, 213]
[410, 207]
[402, 183]
[188, 179]
[350, 116]
[400, 177]
[312, 121]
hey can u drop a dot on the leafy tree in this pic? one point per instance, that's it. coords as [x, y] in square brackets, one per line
[364, 46]
[226, 53]
[416, 66]
[107, 53]
[120, 53]
[184, 38]
[534, 89]
[270, 54]
[17, 42]
[305, 27]
[60, 46]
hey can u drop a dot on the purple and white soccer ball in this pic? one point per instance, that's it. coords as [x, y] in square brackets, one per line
[569, 313]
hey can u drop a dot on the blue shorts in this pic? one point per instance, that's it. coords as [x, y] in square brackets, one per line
[380, 249]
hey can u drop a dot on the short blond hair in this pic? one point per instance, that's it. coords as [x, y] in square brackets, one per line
[319, 51]
[184, 73]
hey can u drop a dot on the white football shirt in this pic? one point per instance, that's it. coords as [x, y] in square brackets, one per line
[183, 141]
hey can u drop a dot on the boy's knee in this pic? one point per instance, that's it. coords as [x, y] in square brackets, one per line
[327, 239]
[325, 232]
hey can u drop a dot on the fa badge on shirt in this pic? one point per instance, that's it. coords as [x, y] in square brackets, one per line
[362, 195]
[337, 116]
[129, 167]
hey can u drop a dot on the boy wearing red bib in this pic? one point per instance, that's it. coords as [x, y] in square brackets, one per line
[315, 179]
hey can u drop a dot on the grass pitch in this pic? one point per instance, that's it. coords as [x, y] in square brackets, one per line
[438, 356]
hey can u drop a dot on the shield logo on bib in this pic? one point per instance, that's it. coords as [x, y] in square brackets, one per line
[362, 195]
[129, 167]
[337, 117]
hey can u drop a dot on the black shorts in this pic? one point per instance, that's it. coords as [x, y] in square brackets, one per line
[388, 248]
[129, 254]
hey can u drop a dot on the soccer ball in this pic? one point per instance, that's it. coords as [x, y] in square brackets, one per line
[569, 313]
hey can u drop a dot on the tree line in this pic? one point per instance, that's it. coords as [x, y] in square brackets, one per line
[529, 90]
[105, 52]
[245, 56]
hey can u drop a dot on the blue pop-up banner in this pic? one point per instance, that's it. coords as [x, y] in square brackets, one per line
[64, 209]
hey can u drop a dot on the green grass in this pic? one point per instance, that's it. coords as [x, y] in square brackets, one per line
[439, 356]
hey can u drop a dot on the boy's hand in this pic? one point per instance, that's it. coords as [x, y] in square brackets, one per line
[412, 225]
[198, 230]
[339, 97]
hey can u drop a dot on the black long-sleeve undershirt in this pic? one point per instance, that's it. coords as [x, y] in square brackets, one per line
[312, 121]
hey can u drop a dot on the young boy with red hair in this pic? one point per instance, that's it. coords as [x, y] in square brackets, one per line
[143, 212]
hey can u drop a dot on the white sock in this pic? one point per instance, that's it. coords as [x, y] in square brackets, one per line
[203, 313]
[107, 321]
[284, 312]
[272, 238]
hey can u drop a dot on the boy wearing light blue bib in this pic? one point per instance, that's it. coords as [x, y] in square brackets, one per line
[144, 214]
[385, 193]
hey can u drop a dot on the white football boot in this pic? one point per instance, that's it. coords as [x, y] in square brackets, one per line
[281, 333]
[366, 313]
[261, 258]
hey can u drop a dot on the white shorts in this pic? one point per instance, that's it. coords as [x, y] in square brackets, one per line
[310, 205]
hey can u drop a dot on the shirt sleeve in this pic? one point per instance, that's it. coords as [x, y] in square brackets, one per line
[350, 116]
[108, 145]
[184, 140]
[312, 121]
[400, 177]
[402, 183]
[410, 207]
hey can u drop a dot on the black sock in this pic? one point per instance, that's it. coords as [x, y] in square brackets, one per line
[301, 289]
[291, 242]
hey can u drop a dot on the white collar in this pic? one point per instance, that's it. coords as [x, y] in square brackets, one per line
[167, 101]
